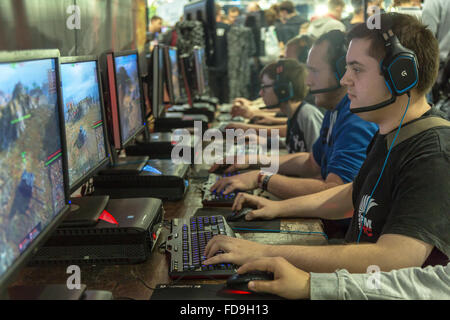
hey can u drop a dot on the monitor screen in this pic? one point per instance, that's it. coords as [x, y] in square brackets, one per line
[32, 180]
[175, 74]
[128, 96]
[83, 119]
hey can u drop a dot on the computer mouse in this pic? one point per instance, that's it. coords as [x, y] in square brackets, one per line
[240, 281]
[236, 215]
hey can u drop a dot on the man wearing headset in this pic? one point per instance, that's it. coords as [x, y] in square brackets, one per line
[399, 201]
[341, 148]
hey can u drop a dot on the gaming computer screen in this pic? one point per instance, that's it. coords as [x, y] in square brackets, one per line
[172, 74]
[123, 97]
[128, 96]
[33, 175]
[83, 117]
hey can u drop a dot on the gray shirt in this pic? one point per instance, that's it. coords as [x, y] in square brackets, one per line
[436, 15]
[430, 283]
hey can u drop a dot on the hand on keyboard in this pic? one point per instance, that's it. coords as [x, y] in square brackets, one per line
[242, 182]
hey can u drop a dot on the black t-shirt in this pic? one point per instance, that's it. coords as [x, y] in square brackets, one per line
[295, 137]
[412, 197]
[221, 48]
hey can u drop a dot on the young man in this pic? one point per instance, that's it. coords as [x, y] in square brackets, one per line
[304, 120]
[399, 213]
[341, 148]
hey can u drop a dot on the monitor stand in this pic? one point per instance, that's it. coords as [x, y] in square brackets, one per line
[56, 292]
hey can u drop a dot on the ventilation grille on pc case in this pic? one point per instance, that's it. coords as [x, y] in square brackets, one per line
[88, 255]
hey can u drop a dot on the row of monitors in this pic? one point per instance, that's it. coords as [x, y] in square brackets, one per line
[54, 114]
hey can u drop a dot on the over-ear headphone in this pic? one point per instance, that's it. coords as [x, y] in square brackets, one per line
[399, 66]
[399, 69]
[283, 88]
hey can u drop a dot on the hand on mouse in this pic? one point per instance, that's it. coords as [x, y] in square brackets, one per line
[265, 209]
[289, 282]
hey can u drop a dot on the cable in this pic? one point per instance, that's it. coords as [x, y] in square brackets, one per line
[382, 170]
[283, 231]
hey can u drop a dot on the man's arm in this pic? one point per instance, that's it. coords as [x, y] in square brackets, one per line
[390, 252]
[333, 204]
[301, 164]
[286, 187]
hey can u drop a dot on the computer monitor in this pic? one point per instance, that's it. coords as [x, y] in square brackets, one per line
[172, 74]
[200, 71]
[84, 118]
[156, 73]
[34, 189]
[124, 100]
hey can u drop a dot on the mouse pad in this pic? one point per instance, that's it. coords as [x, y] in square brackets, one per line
[205, 292]
[241, 223]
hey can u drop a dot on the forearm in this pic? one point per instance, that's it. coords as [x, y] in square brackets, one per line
[298, 165]
[333, 204]
[356, 258]
[287, 187]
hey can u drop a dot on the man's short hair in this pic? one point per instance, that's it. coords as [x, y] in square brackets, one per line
[357, 5]
[333, 4]
[154, 18]
[413, 35]
[337, 46]
[234, 9]
[287, 6]
[293, 71]
[301, 45]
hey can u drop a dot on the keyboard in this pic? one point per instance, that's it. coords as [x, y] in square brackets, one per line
[186, 245]
[217, 199]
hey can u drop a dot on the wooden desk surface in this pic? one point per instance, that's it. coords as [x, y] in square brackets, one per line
[132, 281]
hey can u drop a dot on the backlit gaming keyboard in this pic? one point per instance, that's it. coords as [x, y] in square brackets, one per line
[186, 246]
[218, 199]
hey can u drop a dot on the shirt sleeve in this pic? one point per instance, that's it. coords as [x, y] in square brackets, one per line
[353, 137]
[421, 202]
[310, 120]
[430, 283]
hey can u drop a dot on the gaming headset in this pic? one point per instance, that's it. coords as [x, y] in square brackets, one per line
[399, 68]
[337, 40]
[283, 88]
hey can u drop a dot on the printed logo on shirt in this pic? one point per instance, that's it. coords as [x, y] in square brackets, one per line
[298, 145]
[367, 225]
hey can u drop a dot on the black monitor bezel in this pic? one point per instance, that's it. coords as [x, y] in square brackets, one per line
[199, 72]
[124, 144]
[157, 83]
[30, 55]
[106, 161]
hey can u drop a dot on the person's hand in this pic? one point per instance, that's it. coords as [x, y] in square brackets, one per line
[242, 111]
[236, 251]
[289, 282]
[237, 125]
[265, 209]
[242, 102]
[231, 163]
[262, 119]
[244, 181]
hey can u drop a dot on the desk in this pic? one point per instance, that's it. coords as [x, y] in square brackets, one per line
[130, 281]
